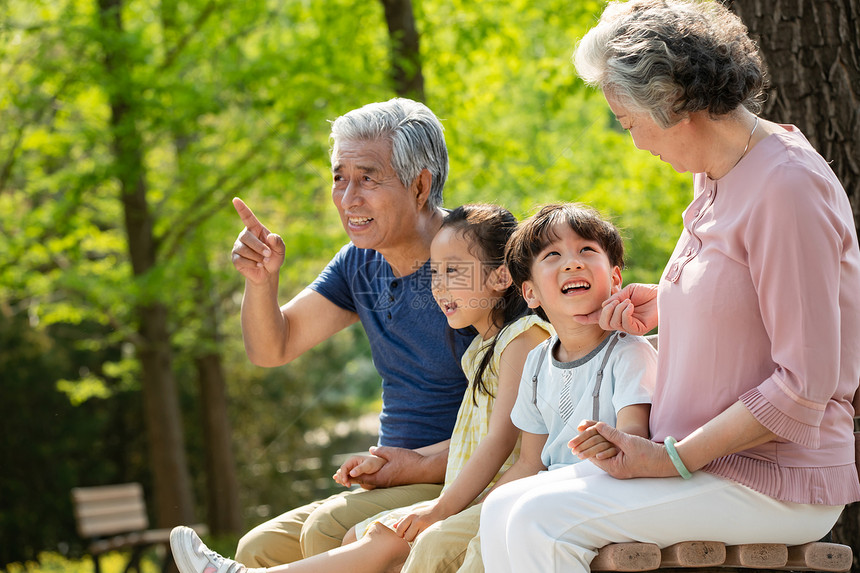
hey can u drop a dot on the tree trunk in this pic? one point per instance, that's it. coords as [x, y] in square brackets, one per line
[172, 484]
[405, 53]
[225, 516]
[812, 50]
[224, 513]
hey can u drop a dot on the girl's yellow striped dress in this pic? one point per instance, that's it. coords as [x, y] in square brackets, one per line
[473, 422]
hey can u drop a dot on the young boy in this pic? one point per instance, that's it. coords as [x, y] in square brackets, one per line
[566, 260]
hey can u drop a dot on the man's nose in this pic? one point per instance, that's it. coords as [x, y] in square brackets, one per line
[351, 196]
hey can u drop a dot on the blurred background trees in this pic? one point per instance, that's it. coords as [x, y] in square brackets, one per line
[127, 126]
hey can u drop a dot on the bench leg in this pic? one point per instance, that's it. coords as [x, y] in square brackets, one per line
[134, 560]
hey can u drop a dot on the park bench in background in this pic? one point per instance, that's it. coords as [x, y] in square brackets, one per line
[719, 558]
[113, 517]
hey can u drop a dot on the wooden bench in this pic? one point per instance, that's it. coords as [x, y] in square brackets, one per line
[113, 517]
[702, 555]
[716, 556]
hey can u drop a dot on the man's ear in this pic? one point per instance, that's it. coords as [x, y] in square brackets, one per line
[421, 188]
[530, 295]
[616, 280]
[500, 279]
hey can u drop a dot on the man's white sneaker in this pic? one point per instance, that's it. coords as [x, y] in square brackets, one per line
[192, 555]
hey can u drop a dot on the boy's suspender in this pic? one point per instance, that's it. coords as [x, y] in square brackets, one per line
[595, 410]
[595, 395]
[543, 351]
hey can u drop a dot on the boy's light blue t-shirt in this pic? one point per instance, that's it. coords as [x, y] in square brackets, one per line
[410, 342]
[564, 392]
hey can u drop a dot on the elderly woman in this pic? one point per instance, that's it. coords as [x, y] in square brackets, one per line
[758, 313]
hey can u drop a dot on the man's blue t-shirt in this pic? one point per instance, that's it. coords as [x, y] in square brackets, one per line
[422, 381]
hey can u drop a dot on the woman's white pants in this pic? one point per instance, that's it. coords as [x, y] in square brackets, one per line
[556, 521]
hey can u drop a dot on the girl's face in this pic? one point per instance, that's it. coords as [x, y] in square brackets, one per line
[672, 145]
[462, 283]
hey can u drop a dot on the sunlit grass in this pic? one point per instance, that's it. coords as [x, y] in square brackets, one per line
[113, 562]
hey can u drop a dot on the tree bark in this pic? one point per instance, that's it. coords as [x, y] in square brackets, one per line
[812, 50]
[172, 484]
[222, 492]
[222, 483]
[224, 513]
[405, 53]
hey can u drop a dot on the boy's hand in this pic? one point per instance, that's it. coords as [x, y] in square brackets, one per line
[257, 253]
[636, 457]
[590, 443]
[355, 467]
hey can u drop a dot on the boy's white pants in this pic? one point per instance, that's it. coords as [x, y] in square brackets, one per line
[556, 520]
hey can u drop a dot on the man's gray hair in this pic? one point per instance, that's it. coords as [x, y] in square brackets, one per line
[416, 136]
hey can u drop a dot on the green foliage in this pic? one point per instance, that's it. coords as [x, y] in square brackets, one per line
[49, 445]
[233, 100]
[113, 562]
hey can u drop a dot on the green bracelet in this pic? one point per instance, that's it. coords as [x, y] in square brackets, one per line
[669, 442]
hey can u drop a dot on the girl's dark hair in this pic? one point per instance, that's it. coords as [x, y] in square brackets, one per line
[539, 230]
[487, 229]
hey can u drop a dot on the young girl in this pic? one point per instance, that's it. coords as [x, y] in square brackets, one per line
[474, 289]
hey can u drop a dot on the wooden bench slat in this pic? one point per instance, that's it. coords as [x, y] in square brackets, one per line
[110, 525]
[820, 556]
[627, 557]
[757, 555]
[693, 554]
[106, 492]
[98, 509]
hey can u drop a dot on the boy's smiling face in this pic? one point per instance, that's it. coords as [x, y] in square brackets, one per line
[570, 276]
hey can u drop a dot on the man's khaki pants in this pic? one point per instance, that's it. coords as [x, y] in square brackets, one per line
[321, 525]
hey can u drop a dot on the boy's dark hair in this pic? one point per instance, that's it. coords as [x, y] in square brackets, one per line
[487, 228]
[536, 232]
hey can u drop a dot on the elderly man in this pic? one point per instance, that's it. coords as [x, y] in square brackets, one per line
[389, 165]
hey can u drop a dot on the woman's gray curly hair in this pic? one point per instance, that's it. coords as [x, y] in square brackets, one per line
[416, 136]
[670, 58]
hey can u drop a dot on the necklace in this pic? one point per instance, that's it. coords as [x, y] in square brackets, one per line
[747, 146]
